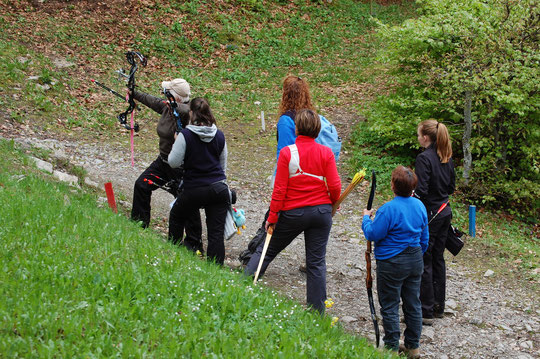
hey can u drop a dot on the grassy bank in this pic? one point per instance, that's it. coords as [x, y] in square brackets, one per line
[80, 281]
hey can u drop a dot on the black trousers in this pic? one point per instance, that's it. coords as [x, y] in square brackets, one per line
[315, 222]
[215, 199]
[433, 287]
[142, 196]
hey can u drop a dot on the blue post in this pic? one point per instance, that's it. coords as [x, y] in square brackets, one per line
[472, 221]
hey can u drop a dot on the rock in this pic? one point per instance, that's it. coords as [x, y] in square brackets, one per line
[65, 177]
[91, 183]
[450, 303]
[476, 321]
[528, 327]
[44, 87]
[33, 78]
[348, 319]
[489, 273]
[506, 327]
[62, 63]
[528, 344]
[524, 356]
[428, 332]
[43, 165]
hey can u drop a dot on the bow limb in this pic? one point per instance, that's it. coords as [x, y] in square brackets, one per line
[122, 118]
[369, 278]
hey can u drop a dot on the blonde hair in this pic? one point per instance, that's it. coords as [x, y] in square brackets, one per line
[438, 134]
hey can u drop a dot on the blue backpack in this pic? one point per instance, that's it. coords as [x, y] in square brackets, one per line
[327, 137]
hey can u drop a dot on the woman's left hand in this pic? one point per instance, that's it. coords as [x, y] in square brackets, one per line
[368, 212]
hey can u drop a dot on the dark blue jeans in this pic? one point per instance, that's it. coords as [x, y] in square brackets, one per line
[400, 277]
[315, 222]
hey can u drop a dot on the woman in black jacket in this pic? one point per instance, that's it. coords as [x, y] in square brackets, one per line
[436, 181]
[202, 151]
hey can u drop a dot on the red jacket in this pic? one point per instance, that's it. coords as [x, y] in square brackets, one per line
[302, 191]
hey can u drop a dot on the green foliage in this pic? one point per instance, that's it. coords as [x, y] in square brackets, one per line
[71, 288]
[491, 49]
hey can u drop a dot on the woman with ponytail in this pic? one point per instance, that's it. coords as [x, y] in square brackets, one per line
[436, 181]
[202, 151]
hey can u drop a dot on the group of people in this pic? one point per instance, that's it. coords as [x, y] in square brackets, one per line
[409, 237]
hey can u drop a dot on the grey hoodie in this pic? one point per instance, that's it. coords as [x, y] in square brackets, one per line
[206, 134]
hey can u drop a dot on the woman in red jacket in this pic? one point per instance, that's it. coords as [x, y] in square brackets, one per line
[307, 184]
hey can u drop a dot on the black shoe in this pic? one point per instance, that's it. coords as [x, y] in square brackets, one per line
[438, 311]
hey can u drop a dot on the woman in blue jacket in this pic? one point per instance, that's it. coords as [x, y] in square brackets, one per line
[400, 234]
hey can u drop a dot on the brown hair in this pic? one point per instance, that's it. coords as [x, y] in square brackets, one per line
[308, 123]
[404, 181]
[438, 134]
[200, 113]
[295, 95]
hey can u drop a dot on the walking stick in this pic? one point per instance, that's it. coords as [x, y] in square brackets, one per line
[263, 254]
[358, 177]
[369, 279]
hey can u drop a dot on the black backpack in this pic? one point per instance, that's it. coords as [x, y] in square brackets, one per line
[256, 241]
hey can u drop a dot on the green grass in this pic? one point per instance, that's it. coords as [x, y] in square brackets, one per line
[80, 281]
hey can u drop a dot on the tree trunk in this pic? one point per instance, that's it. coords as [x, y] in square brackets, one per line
[467, 157]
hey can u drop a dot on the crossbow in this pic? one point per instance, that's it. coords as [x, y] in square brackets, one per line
[131, 57]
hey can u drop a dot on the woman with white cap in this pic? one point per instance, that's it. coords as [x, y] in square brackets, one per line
[174, 116]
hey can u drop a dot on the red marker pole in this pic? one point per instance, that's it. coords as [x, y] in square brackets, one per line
[110, 196]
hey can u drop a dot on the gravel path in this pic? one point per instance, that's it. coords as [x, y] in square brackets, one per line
[486, 317]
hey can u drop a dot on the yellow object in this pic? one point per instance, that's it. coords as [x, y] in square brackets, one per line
[329, 303]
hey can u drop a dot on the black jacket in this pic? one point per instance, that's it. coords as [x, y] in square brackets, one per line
[436, 181]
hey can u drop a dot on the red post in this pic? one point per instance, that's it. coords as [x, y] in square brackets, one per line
[110, 196]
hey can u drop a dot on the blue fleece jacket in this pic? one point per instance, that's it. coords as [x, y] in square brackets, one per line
[398, 224]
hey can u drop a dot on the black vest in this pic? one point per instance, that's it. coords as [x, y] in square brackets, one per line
[201, 161]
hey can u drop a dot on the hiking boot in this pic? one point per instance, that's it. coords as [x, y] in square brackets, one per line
[411, 353]
[427, 321]
[438, 311]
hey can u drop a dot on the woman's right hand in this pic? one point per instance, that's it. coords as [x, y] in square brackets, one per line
[368, 212]
[268, 225]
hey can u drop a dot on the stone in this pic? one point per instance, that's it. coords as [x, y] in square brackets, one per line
[65, 177]
[428, 332]
[91, 183]
[450, 303]
[42, 165]
[476, 321]
[489, 273]
[348, 319]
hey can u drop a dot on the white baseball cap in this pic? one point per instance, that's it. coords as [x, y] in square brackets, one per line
[178, 87]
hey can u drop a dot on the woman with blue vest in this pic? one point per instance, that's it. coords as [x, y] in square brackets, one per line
[400, 234]
[202, 151]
